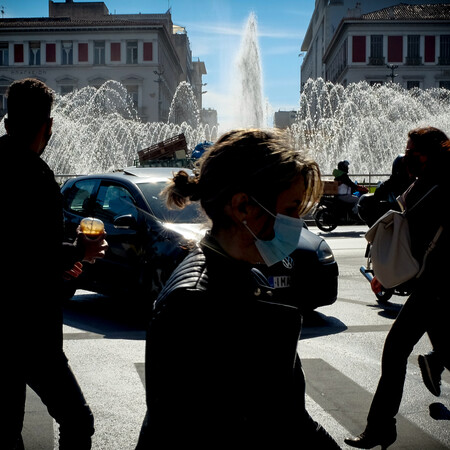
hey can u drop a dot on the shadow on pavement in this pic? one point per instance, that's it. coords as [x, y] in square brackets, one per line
[318, 324]
[346, 234]
[107, 317]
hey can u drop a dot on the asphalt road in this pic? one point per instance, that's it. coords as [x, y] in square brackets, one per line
[340, 349]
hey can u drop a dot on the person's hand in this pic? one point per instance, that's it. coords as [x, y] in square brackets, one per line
[74, 272]
[93, 248]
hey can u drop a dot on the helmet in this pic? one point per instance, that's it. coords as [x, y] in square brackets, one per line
[343, 165]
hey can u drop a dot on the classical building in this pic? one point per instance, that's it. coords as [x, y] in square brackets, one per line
[379, 41]
[82, 44]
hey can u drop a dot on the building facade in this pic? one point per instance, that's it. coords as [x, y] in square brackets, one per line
[284, 119]
[405, 43]
[82, 44]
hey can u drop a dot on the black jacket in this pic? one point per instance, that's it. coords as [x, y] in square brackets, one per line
[424, 219]
[221, 361]
[32, 231]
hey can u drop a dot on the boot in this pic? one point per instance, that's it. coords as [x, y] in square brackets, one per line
[372, 437]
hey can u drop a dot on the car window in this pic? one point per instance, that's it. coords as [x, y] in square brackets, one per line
[190, 214]
[78, 199]
[114, 201]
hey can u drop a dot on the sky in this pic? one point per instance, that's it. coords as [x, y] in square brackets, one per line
[215, 29]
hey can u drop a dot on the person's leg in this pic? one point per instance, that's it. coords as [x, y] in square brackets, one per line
[406, 331]
[58, 389]
[432, 364]
[14, 406]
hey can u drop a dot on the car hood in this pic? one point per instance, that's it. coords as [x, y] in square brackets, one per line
[189, 231]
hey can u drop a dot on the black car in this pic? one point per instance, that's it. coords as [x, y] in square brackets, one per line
[147, 240]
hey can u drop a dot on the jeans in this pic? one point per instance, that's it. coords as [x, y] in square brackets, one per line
[426, 310]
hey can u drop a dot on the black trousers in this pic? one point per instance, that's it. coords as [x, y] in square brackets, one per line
[426, 311]
[51, 377]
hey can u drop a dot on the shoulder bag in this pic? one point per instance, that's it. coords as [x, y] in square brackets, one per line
[392, 260]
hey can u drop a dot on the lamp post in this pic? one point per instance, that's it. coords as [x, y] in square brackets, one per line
[392, 75]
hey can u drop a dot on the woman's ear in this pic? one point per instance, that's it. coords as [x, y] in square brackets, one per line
[239, 206]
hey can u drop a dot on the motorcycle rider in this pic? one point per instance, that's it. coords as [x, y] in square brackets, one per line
[346, 186]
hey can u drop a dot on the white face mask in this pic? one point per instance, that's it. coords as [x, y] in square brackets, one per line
[287, 234]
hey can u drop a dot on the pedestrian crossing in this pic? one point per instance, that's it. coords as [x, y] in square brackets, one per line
[334, 399]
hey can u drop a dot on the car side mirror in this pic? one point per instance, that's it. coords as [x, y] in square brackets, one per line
[126, 221]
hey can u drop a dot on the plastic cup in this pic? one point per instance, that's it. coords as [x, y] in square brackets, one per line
[92, 227]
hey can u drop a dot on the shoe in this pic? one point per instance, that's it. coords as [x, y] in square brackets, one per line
[370, 439]
[431, 373]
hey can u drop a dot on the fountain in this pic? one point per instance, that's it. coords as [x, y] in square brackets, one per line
[98, 130]
[367, 125]
[248, 95]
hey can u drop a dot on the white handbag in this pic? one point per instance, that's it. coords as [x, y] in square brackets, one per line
[392, 260]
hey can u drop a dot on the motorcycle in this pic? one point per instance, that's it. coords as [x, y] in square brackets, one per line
[331, 212]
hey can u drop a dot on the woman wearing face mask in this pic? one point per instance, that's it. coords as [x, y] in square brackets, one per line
[427, 309]
[222, 369]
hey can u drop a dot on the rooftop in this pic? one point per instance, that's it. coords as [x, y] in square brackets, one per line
[403, 11]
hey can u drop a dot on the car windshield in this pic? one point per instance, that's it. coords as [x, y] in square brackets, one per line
[190, 214]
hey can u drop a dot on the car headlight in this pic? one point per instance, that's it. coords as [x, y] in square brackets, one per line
[324, 253]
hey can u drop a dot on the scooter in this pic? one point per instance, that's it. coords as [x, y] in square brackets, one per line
[331, 212]
[369, 210]
[383, 295]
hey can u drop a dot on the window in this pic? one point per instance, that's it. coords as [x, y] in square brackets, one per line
[148, 51]
[114, 201]
[115, 51]
[18, 53]
[430, 49]
[395, 48]
[132, 52]
[80, 200]
[359, 49]
[4, 54]
[444, 57]
[3, 109]
[412, 84]
[83, 52]
[99, 52]
[413, 57]
[50, 53]
[376, 50]
[66, 53]
[35, 54]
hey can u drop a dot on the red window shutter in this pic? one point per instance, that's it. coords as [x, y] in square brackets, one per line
[148, 51]
[359, 49]
[82, 52]
[115, 51]
[430, 49]
[50, 51]
[395, 48]
[18, 53]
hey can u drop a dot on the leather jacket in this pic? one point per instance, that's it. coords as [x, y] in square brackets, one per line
[221, 359]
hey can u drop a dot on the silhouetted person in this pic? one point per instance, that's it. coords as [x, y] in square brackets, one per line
[36, 262]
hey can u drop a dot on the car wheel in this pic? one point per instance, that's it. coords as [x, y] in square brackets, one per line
[324, 220]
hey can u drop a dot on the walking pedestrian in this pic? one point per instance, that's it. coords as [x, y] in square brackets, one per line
[222, 369]
[427, 309]
[35, 263]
